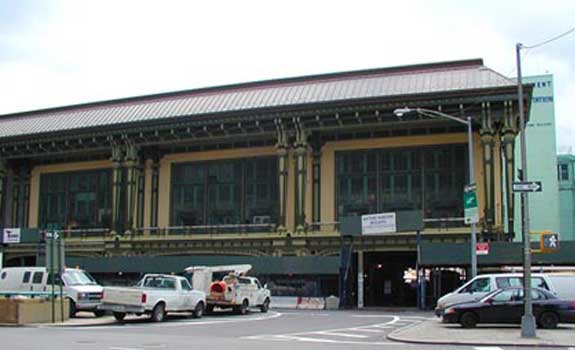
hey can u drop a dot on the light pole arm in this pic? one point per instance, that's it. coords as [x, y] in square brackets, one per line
[433, 114]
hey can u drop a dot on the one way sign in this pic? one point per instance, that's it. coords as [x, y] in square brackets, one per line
[527, 186]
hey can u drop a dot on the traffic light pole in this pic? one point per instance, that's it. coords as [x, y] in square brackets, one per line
[527, 321]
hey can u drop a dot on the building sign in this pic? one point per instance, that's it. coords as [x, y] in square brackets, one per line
[376, 224]
[11, 235]
[482, 248]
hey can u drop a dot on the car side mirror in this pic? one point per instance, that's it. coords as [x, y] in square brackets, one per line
[489, 301]
[266, 286]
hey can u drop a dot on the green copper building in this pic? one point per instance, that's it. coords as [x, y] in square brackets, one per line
[541, 159]
[566, 176]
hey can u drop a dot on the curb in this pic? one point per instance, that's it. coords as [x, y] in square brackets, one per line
[393, 337]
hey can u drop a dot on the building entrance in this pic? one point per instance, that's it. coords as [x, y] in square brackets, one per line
[390, 279]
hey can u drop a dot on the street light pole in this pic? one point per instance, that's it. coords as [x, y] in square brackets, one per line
[527, 321]
[471, 182]
[432, 113]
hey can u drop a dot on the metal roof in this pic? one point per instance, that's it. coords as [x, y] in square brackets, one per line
[368, 84]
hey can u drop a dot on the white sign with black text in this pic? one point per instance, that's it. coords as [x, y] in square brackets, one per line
[376, 224]
[11, 235]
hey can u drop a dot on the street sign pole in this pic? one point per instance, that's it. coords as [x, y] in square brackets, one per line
[528, 321]
[472, 181]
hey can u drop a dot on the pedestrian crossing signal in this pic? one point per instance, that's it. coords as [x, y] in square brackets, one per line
[549, 241]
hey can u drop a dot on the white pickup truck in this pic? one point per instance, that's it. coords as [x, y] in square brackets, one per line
[226, 287]
[154, 295]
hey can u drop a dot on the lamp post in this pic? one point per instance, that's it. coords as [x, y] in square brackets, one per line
[528, 320]
[437, 114]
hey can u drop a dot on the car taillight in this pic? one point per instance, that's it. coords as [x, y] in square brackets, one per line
[102, 295]
[572, 305]
[144, 298]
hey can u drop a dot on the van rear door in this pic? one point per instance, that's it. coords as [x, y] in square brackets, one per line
[25, 284]
[38, 282]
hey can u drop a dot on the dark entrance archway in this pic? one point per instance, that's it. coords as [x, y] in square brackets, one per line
[389, 279]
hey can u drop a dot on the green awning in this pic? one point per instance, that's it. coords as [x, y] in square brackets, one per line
[265, 265]
[500, 253]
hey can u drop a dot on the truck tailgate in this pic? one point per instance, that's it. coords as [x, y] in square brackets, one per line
[122, 295]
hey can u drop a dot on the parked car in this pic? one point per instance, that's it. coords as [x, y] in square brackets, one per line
[506, 306]
[227, 287]
[482, 285]
[81, 289]
[154, 295]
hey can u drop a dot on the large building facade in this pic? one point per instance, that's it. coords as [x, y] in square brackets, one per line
[264, 172]
[541, 158]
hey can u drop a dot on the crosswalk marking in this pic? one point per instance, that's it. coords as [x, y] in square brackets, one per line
[342, 334]
[487, 348]
[366, 334]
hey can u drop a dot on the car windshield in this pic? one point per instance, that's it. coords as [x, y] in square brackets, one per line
[79, 278]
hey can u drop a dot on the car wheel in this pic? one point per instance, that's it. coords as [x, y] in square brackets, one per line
[199, 310]
[99, 313]
[244, 308]
[158, 313]
[119, 316]
[72, 308]
[265, 306]
[548, 320]
[468, 320]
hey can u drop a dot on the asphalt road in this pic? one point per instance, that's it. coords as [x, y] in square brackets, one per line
[279, 329]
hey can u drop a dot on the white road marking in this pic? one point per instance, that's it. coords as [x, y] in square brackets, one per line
[231, 319]
[366, 330]
[316, 340]
[121, 348]
[487, 348]
[342, 334]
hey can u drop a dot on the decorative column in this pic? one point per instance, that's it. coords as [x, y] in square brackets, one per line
[283, 165]
[3, 176]
[509, 132]
[14, 212]
[300, 152]
[141, 186]
[131, 163]
[117, 182]
[155, 188]
[25, 195]
[316, 175]
[487, 134]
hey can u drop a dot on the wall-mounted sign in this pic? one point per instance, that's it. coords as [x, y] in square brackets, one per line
[482, 248]
[376, 224]
[11, 235]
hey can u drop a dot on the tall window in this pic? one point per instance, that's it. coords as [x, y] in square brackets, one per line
[429, 179]
[225, 192]
[76, 199]
[563, 172]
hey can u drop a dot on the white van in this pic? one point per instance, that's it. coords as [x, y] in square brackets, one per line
[80, 288]
[481, 285]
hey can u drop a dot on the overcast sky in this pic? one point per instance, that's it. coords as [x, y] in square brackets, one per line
[55, 53]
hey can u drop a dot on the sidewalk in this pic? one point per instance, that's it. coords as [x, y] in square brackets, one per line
[435, 332]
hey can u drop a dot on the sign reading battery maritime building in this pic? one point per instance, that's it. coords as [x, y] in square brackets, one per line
[377, 224]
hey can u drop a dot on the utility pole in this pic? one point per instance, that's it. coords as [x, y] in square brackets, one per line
[527, 321]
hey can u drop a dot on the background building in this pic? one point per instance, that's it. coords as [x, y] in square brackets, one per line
[566, 176]
[541, 158]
